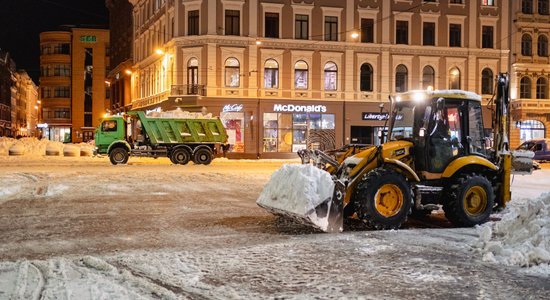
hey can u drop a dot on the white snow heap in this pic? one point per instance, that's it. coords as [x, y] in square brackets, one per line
[180, 114]
[35, 147]
[298, 189]
[521, 237]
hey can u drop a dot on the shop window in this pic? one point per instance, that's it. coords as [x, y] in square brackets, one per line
[526, 42]
[542, 46]
[542, 88]
[232, 72]
[454, 79]
[234, 126]
[428, 77]
[366, 78]
[286, 132]
[401, 79]
[531, 129]
[525, 88]
[331, 75]
[271, 74]
[487, 81]
[301, 71]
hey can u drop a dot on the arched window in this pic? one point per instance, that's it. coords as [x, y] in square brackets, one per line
[525, 88]
[192, 76]
[526, 42]
[454, 79]
[232, 72]
[428, 77]
[331, 75]
[365, 80]
[486, 81]
[542, 88]
[542, 45]
[543, 7]
[527, 6]
[271, 74]
[531, 129]
[301, 71]
[401, 79]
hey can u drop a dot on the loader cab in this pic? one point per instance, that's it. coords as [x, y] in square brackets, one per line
[442, 126]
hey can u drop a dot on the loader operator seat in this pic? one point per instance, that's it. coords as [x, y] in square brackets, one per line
[440, 152]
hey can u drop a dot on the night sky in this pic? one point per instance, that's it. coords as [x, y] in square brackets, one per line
[21, 22]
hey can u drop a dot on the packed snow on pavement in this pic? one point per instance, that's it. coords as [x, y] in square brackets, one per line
[80, 228]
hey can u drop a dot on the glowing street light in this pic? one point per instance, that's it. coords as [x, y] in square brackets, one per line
[159, 51]
[354, 35]
[128, 71]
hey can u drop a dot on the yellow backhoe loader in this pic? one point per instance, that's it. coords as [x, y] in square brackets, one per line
[436, 154]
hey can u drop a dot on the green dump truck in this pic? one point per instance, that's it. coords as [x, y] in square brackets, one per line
[180, 139]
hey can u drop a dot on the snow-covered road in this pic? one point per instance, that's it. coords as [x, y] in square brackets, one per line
[80, 228]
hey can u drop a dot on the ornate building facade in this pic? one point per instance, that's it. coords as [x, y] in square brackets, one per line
[288, 74]
[530, 70]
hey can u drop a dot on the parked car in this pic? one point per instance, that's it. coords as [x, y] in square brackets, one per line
[541, 147]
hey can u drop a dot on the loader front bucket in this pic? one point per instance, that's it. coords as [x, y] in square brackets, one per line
[305, 194]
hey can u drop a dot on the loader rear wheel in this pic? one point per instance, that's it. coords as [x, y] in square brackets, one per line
[202, 156]
[118, 155]
[471, 200]
[180, 156]
[383, 199]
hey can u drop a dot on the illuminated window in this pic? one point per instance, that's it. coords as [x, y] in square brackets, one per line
[454, 79]
[232, 72]
[271, 74]
[331, 74]
[301, 71]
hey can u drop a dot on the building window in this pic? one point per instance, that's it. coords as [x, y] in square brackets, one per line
[192, 23]
[290, 132]
[542, 88]
[367, 30]
[428, 34]
[401, 79]
[527, 6]
[455, 35]
[531, 130]
[365, 80]
[543, 7]
[402, 32]
[487, 81]
[272, 25]
[193, 76]
[331, 28]
[526, 45]
[456, 1]
[428, 77]
[232, 22]
[232, 72]
[301, 70]
[488, 2]
[525, 88]
[271, 74]
[331, 75]
[487, 37]
[301, 27]
[542, 46]
[454, 79]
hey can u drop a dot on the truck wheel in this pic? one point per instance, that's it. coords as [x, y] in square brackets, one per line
[471, 200]
[202, 156]
[383, 199]
[180, 156]
[118, 155]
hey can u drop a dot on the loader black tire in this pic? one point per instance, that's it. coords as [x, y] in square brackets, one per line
[180, 156]
[383, 199]
[470, 202]
[118, 155]
[203, 156]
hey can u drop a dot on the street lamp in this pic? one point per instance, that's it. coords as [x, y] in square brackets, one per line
[354, 35]
[159, 51]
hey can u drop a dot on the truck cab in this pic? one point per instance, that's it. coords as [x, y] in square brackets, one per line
[110, 129]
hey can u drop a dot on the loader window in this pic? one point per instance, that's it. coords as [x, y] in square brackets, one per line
[403, 125]
[475, 130]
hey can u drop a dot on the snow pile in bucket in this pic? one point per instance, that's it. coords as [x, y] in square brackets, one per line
[521, 237]
[297, 189]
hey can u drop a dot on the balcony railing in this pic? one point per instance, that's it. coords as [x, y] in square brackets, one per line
[188, 89]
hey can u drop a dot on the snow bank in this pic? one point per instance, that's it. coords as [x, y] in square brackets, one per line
[180, 114]
[298, 189]
[38, 148]
[521, 237]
